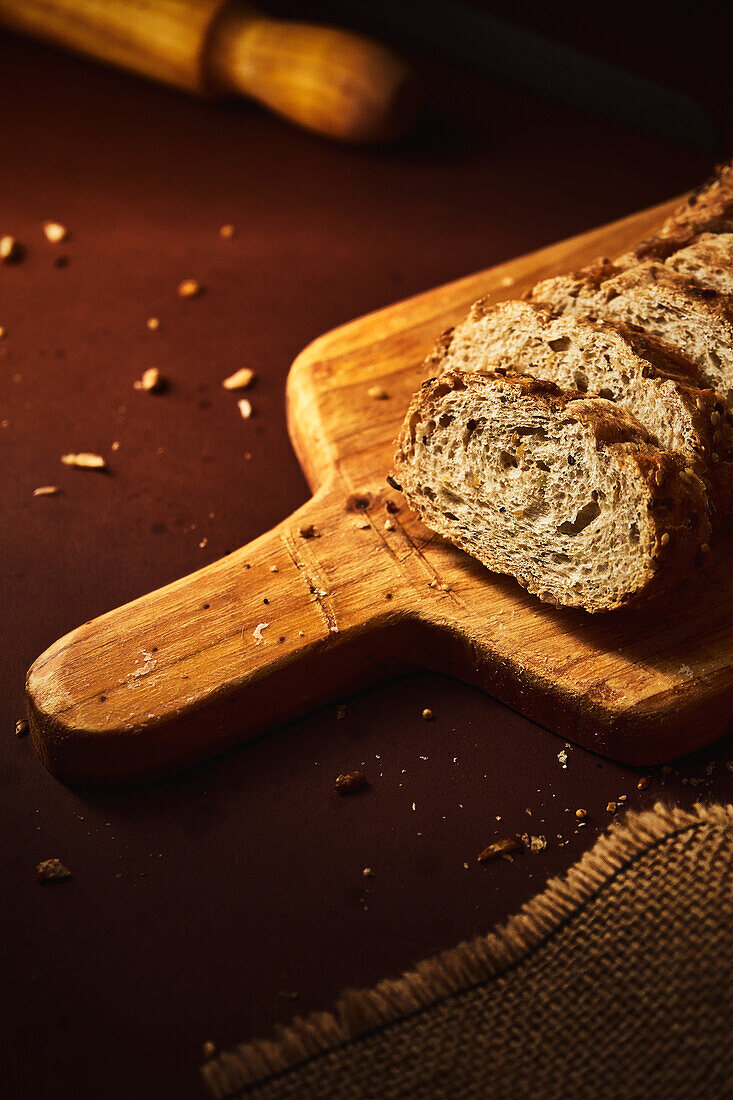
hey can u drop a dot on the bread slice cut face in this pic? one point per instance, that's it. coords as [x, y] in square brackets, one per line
[564, 492]
[641, 373]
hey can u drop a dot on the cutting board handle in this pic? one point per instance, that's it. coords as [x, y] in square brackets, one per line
[244, 644]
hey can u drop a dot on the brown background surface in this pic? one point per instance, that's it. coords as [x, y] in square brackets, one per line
[198, 901]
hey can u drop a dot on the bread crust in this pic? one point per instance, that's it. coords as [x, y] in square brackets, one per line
[677, 500]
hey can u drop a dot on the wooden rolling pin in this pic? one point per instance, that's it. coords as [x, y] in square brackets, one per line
[331, 81]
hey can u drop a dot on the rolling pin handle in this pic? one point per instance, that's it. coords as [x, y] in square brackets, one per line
[334, 82]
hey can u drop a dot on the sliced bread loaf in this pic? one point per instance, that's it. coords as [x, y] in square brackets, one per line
[708, 261]
[659, 301]
[709, 209]
[640, 372]
[564, 492]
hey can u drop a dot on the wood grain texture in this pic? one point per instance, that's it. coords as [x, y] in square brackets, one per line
[180, 674]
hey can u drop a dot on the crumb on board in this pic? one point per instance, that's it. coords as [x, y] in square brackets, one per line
[226, 232]
[153, 323]
[274, 569]
[46, 491]
[611, 807]
[428, 714]
[643, 783]
[85, 460]
[52, 870]
[208, 1050]
[500, 848]
[189, 288]
[240, 380]
[348, 782]
[537, 843]
[368, 872]
[377, 393]
[308, 531]
[245, 408]
[21, 727]
[151, 382]
[581, 814]
[341, 710]
[507, 280]
[11, 251]
[257, 632]
[562, 756]
[55, 232]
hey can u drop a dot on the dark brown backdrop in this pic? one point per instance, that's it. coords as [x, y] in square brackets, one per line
[197, 902]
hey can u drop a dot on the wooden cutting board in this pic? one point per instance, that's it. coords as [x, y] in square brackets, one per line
[346, 591]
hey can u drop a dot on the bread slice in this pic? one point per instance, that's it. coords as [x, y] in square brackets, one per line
[708, 261]
[657, 300]
[709, 209]
[641, 373]
[564, 492]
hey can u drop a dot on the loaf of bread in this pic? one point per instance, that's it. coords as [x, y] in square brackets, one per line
[660, 386]
[708, 261]
[564, 492]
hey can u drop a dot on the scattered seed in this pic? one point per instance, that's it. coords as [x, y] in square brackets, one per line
[622, 797]
[115, 445]
[52, 870]
[208, 1050]
[643, 783]
[84, 461]
[245, 408]
[428, 714]
[581, 814]
[240, 380]
[351, 781]
[500, 848]
[46, 491]
[189, 288]
[378, 393]
[151, 381]
[153, 323]
[55, 232]
[307, 531]
[226, 232]
[11, 251]
[21, 727]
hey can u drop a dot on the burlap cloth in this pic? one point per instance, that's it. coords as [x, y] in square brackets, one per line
[615, 981]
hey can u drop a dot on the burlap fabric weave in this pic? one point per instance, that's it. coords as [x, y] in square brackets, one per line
[615, 982]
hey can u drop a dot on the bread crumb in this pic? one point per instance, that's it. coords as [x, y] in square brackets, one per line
[21, 727]
[377, 393]
[507, 280]
[46, 491]
[563, 758]
[245, 408]
[84, 461]
[55, 232]
[348, 782]
[274, 569]
[581, 814]
[189, 288]
[115, 446]
[240, 380]
[151, 382]
[226, 232]
[428, 714]
[611, 807]
[257, 632]
[368, 872]
[203, 542]
[308, 531]
[10, 250]
[52, 870]
[208, 1050]
[500, 848]
[643, 783]
[537, 843]
[389, 525]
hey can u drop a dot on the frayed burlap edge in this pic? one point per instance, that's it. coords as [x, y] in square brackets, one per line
[360, 1011]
